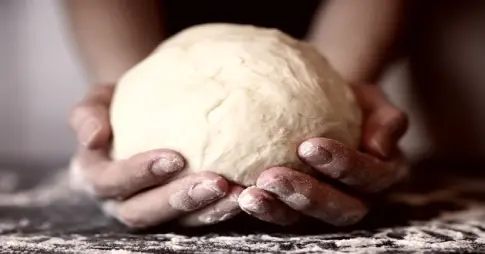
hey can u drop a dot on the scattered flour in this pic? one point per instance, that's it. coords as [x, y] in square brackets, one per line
[49, 244]
[54, 189]
[466, 233]
[451, 231]
[6, 226]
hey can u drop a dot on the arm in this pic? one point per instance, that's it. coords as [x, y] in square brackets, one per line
[114, 35]
[355, 36]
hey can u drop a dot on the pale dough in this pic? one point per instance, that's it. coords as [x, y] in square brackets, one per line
[232, 99]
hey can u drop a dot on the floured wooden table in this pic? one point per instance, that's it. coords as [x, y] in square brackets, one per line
[440, 212]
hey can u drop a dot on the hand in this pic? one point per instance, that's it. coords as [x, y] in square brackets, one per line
[282, 195]
[135, 190]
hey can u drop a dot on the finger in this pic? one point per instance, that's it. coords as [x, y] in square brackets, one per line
[311, 197]
[169, 201]
[383, 129]
[122, 178]
[262, 205]
[221, 210]
[351, 167]
[90, 117]
[384, 124]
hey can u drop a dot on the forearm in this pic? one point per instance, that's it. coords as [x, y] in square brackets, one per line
[355, 36]
[114, 35]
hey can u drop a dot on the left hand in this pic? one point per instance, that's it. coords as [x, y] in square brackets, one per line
[138, 191]
[282, 195]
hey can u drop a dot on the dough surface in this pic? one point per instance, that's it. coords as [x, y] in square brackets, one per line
[232, 99]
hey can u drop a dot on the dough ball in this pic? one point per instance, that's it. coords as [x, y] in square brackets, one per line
[232, 99]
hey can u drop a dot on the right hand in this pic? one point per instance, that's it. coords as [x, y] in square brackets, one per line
[135, 190]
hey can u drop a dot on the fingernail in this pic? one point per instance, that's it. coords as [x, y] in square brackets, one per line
[286, 192]
[252, 205]
[167, 163]
[298, 201]
[205, 191]
[88, 131]
[212, 218]
[314, 153]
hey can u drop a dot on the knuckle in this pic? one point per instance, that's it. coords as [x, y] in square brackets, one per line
[77, 112]
[401, 115]
[401, 118]
[83, 111]
[398, 121]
